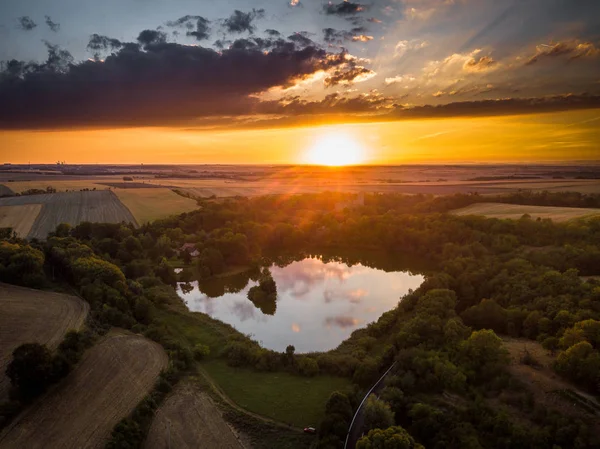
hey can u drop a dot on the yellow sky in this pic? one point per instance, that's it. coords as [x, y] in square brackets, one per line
[543, 137]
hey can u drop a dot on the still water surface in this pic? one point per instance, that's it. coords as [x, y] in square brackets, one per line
[318, 304]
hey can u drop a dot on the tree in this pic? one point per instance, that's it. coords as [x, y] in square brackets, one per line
[483, 355]
[201, 351]
[31, 370]
[289, 352]
[339, 404]
[391, 438]
[378, 414]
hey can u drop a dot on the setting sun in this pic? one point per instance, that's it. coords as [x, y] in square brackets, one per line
[335, 149]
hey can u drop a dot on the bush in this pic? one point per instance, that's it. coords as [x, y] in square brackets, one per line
[308, 367]
[201, 351]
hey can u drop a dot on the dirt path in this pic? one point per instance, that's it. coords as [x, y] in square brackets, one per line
[82, 410]
[233, 405]
[28, 315]
[189, 419]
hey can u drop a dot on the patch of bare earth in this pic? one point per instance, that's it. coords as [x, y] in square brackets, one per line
[190, 419]
[539, 378]
[80, 412]
[28, 316]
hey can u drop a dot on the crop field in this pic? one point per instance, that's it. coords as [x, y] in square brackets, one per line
[82, 410]
[190, 417]
[20, 218]
[152, 204]
[286, 398]
[72, 208]
[29, 316]
[515, 211]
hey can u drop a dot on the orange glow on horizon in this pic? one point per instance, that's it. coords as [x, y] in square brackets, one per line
[561, 136]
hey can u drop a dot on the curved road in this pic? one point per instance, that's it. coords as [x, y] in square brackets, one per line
[356, 426]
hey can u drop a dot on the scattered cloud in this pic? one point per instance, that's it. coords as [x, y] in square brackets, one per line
[571, 50]
[344, 8]
[197, 26]
[405, 46]
[362, 38]
[240, 22]
[98, 42]
[295, 327]
[149, 37]
[341, 321]
[26, 23]
[55, 27]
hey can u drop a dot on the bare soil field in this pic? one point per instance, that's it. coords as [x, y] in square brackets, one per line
[191, 419]
[4, 190]
[72, 208]
[548, 388]
[82, 410]
[516, 211]
[29, 316]
[20, 218]
[152, 204]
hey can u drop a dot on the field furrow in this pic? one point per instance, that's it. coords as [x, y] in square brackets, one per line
[28, 316]
[82, 410]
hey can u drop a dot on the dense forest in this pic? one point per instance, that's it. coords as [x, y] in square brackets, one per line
[450, 386]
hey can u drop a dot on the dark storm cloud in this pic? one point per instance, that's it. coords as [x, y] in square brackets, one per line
[570, 50]
[197, 26]
[149, 37]
[54, 26]
[26, 23]
[160, 84]
[343, 9]
[240, 22]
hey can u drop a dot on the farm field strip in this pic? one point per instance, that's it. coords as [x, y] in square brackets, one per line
[82, 410]
[190, 416]
[20, 218]
[147, 204]
[34, 316]
[72, 208]
[516, 211]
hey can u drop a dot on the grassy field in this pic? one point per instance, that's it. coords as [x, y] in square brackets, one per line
[5, 190]
[541, 380]
[152, 204]
[20, 218]
[82, 410]
[59, 185]
[296, 400]
[190, 417]
[28, 316]
[71, 208]
[515, 211]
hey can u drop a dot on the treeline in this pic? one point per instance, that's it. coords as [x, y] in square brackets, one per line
[451, 387]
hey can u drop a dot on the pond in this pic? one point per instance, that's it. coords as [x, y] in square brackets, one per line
[319, 303]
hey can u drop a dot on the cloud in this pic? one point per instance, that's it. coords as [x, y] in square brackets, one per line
[404, 46]
[149, 37]
[344, 8]
[341, 321]
[197, 26]
[301, 38]
[273, 33]
[26, 23]
[400, 79]
[508, 106]
[362, 38]
[240, 22]
[349, 74]
[333, 36]
[158, 83]
[482, 64]
[98, 42]
[572, 50]
[52, 25]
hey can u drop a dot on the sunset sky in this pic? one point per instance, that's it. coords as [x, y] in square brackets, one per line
[383, 81]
